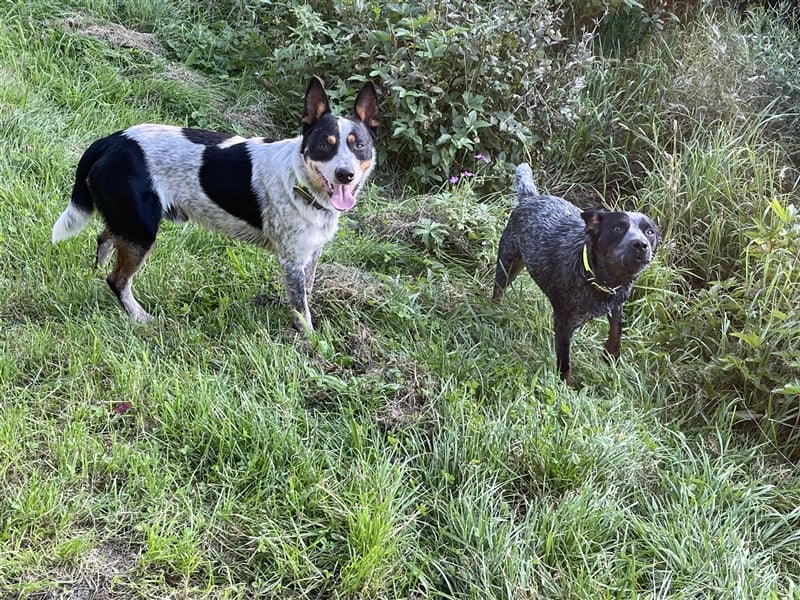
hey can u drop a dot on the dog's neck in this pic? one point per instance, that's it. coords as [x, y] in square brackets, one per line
[303, 192]
[591, 278]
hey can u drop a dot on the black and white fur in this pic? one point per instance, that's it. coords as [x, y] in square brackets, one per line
[284, 195]
[584, 261]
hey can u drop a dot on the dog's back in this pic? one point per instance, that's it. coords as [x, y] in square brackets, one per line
[544, 233]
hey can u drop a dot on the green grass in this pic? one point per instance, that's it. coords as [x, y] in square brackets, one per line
[420, 445]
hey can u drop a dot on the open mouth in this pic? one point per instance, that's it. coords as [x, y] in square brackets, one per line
[638, 262]
[342, 197]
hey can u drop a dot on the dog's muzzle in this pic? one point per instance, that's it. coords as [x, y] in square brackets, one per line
[342, 195]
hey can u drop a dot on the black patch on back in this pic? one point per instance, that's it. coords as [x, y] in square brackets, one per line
[204, 137]
[316, 143]
[225, 178]
[119, 183]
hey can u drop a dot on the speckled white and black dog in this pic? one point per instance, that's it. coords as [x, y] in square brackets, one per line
[584, 261]
[284, 195]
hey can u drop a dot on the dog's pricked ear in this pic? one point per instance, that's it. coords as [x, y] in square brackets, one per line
[592, 218]
[316, 102]
[366, 107]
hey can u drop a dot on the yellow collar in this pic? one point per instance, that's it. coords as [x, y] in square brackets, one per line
[590, 277]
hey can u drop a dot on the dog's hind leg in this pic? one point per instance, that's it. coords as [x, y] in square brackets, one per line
[105, 246]
[130, 258]
[509, 264]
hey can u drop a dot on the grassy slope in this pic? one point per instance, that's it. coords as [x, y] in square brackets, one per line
[422, 446]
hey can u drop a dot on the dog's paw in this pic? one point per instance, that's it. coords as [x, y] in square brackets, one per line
[610, 352]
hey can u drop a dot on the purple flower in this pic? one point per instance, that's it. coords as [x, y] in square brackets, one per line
[453, 179]
[482, 157]
[467, 173]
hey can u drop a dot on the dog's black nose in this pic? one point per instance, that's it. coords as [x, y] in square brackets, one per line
[344, 175]
[641, 245]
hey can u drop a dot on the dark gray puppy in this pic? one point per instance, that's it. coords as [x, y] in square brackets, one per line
[584, 261]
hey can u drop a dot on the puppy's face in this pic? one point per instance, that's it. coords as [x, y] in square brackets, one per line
[339, 151]
[624, 241]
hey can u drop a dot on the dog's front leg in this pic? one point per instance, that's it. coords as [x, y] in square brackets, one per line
[294, 278]
[311, 270]
[564, 330]
[614, 334]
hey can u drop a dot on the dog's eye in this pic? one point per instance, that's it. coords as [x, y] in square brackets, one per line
[650, 232]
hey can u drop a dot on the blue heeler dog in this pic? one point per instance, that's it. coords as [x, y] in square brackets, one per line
[584, 261]
[284, 195]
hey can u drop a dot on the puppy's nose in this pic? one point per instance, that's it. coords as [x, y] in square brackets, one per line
[344, 175]
[641, 245]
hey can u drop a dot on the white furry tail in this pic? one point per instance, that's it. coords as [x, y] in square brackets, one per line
[526, 186]
[71, 221]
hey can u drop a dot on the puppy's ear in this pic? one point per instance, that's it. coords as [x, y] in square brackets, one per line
[592, 218]
[654, 225]
[366, 107]
[316, 103]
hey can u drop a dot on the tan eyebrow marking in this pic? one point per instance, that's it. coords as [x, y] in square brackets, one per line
[351, 138]
[331, 139]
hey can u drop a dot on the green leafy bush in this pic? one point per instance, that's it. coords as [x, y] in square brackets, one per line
[453, 225]
[457, 78]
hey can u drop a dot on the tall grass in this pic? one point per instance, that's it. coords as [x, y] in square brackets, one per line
[421, 445]
[695, 127]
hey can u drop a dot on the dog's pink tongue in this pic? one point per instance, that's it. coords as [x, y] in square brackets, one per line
[342, 198]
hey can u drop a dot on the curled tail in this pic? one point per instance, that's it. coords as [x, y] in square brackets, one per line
[526, 186]
[81, 206]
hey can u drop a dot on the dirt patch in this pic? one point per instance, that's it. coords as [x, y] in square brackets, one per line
[411, 404]
[181, 74]
[256, 119]
[337, 283]
[117, 36]
[95, 578]
[7, 77]
[253, 120]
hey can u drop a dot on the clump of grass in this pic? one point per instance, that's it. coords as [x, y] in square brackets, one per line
[452, 225]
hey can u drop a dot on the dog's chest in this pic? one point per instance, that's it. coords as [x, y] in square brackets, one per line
[300, 236]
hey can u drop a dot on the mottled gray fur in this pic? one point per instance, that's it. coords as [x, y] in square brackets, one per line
[547, 235]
